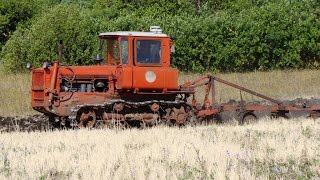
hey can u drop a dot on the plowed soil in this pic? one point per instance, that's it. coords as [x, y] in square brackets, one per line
[29, 123]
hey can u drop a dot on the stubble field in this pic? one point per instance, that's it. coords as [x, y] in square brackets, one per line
[270, 149]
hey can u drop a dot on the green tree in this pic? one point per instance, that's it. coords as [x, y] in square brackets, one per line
[13, 12]
[232, 35]
[37, 44]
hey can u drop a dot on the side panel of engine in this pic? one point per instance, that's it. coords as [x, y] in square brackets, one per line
[38, 87]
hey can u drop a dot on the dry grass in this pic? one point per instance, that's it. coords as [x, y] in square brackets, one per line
[15, 94]
[15, 89]
[268, 150]
[283, 85]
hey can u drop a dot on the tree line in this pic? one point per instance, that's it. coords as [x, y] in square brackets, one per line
[220, 35]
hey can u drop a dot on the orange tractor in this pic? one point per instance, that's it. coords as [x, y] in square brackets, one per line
[132, 84]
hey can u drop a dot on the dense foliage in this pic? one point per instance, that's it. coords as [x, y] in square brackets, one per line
[233, 35]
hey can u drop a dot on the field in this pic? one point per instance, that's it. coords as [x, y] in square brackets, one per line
[270, 149]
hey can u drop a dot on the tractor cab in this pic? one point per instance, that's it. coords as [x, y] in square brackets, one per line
[142, 59]
[135, 48]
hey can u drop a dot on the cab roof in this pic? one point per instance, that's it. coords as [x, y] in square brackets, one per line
[133, 33]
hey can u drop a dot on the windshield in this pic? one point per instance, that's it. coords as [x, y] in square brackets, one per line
[148, 51]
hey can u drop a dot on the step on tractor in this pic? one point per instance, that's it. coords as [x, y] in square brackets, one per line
[132, 84]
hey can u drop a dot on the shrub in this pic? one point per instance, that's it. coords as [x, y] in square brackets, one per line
[12, 13]
[37, 44]
[219, 35]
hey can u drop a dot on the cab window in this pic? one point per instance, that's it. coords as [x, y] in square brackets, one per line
[148, 51]
[110, 50]
[124, 50]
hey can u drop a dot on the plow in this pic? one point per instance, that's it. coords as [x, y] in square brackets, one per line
[132, 84]
[245, 112]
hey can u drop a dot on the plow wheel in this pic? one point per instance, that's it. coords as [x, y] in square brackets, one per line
[88, 119]
[248, 118]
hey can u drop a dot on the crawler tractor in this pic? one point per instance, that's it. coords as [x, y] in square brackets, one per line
[132, 84]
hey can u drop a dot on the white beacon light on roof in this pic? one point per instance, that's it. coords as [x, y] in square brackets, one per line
[156, 29]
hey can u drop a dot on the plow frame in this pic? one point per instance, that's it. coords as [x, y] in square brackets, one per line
[210, 108]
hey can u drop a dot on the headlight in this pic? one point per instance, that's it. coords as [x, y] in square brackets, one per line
[150, 76]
